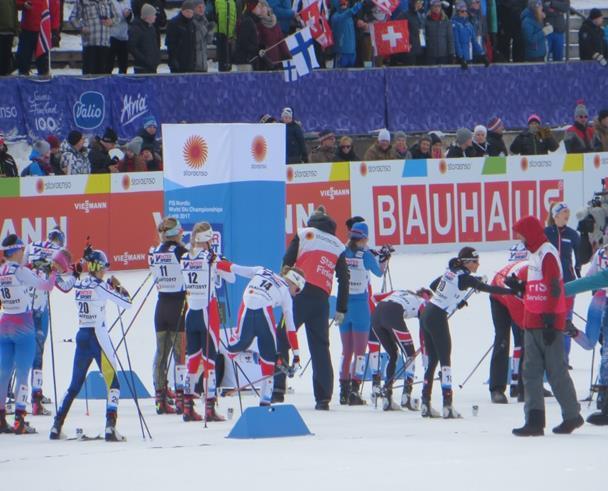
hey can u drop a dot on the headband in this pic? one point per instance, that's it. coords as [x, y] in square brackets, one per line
[296, 278]
[205, 236]
[175, 231]
[558, 208]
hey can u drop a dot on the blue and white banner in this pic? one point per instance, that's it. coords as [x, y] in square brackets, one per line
[232, 176]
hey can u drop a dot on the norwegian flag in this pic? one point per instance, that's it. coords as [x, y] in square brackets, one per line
[319, 25]
[389, 38]
[44, 37]
[387, 6]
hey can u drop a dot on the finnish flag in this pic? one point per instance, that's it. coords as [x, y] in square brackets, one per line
[302, 51]
[289, 71]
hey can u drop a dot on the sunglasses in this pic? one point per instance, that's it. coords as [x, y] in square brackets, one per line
[583, 117]
[345, 146]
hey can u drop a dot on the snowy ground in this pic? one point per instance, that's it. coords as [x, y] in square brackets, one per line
[352, 448]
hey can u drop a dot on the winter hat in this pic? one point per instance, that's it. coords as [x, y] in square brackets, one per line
[188, 5]
[463, 135]
[581, 110]
[595, 14]
[602, 114]
[480, 128]
[384, 135]
[147, 146]
[11, 244]
[74, 137]
[53, 141]
[534, 117]
[150, 121]
[461, 5]
[427, 138]
[326, 133]
[434, 138]
[494, 123]
[147, 10]
[359, 231]
[134, 145]
[400, 135]
[287, 111]
[109, 136]
[41, 147]
[352, 220]
[468, 254]
[435, 2]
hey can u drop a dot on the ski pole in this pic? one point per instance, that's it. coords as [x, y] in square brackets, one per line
[52, 351]
[225, 329]
[466, 297]
[133, 298]
[305, 367]
[591, 378]
[476, 366]
[249, 384]
[134, 318]
[580, 317]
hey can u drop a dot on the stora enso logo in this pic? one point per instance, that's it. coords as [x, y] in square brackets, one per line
[89, 110]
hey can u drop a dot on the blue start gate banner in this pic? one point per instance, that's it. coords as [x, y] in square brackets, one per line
[412, 99]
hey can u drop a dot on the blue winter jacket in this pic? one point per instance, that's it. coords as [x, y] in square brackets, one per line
[34, 168]
[533, 35]
[343, 28]
[282, 9]
[566, 240]
[465, 40]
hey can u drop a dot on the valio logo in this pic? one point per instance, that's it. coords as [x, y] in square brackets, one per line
[89, 110]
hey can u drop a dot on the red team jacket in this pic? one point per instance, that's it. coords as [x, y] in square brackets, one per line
[513, 303]
[538, 299]
[30, 18]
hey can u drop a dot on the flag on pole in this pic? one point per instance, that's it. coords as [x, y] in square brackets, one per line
[387, 6]
[318, 23]
[390, 37]
[44, 37]
[302, 51]
[289, 71]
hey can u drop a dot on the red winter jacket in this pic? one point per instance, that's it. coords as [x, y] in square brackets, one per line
[532, 231]
[513, 303]
[30, 19]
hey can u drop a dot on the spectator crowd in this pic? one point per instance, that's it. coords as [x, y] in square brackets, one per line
[250, 32]
[78, 154]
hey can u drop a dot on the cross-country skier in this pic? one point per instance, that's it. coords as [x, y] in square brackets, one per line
[93, 340]
[317, 251]
[202, 271]
[354, 329]
[169, 313]
[544, 320]
[595, 279]
[388, 324]
[17, 331]
[265, 291]
[449, 293]
[38, 255]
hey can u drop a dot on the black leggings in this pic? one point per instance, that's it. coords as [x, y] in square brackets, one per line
[438, 347]
[390, 329]
[499, 365]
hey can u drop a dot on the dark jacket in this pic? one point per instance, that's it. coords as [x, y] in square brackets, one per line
[271, 37]
[528, 144]
[99, 158]
[578, 138]
[150, 140]
[247, 41]
[591, 41]
[351, 156]
[416, 22]
[555, 11]
[326, 224]
[161, 16]
[417, 153]
[600, 137]
[296, 152]
[180, 41]
[439, 37]
[480, 150]
[8, 167]
[143, 46]
[566, 240]
[496, 145]
[456, 152]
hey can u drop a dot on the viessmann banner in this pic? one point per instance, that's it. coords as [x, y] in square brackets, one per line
[105, 207]
[439, 204]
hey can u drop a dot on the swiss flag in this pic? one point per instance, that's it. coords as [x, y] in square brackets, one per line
[390, 37]
[387, 6]
[319, 26]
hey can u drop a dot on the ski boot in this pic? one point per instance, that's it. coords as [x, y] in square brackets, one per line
[170, 396]
[600, 418]
[4, 427]
[406, 398]
[189, 413]
[427, 411]
[162, 405]
[112, 434]
[56, 433]
[179, 401]
[21, 427]
[354, 398]
[38, 408]
[210, 413]
[534, 426]
[376, 389]
[387, 398]
[448, 409]
[344, 391]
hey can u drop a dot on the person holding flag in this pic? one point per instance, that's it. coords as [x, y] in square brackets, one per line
[39, 19]
[343, 26]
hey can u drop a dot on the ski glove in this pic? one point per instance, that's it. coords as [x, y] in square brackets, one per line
[515, 284]
[549, 333]
[76, 270]
[295, 366]
[339, 318]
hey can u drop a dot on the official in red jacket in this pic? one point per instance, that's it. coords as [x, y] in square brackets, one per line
[543, 324]
[31, 19]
